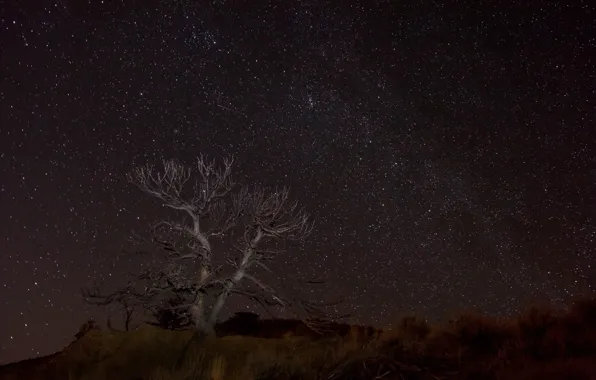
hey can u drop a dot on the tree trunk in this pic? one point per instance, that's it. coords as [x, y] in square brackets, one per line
[197, 311]
[238, 276]
[128, 318]
[223, 296]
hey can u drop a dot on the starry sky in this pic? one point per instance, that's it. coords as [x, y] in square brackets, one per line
[446, 152]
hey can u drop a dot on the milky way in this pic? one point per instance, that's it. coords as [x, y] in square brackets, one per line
[446, 154]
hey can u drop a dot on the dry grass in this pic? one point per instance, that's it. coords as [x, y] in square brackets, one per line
[539, 344]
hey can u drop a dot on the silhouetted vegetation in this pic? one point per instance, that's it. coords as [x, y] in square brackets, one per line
[539, 344]
[171, 316]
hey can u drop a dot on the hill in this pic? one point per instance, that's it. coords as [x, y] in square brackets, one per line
[539, 344]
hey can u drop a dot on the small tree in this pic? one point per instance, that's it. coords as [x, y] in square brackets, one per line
[170, 316]
[211, 207]
[127, 300]
[85, 328]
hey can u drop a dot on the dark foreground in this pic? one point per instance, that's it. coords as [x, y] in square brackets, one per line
[539, 344]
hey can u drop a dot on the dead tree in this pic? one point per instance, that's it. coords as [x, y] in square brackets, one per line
[126, 298]
[211, 206]
[208, 214]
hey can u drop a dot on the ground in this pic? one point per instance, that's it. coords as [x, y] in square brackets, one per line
[539, 344]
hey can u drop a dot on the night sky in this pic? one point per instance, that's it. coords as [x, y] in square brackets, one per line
[446, 152]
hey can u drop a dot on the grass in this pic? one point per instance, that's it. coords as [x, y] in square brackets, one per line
[539, 344]
[151, 353]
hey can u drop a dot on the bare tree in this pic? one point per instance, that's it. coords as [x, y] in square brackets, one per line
[212, 206]
[126, 298]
